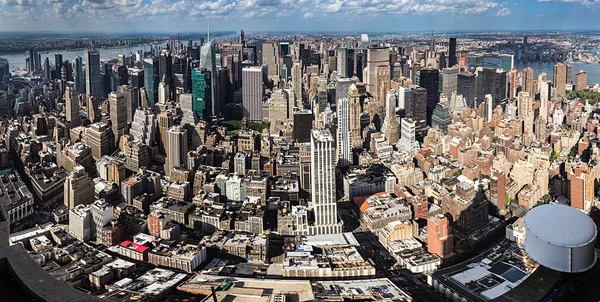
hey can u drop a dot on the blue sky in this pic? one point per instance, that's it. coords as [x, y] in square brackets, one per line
[291, 15]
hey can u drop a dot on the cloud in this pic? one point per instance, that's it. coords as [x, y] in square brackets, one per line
[19, 2]
[308, 15]
[504, 12]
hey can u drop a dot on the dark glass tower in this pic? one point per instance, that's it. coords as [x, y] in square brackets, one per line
[430, 80]
[452, 52]
[151, 80]
[466, 86]
[58, 64]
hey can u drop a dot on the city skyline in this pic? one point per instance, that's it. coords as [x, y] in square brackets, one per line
[285, 15]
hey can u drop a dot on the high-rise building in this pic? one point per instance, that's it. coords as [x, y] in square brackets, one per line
[118, 114]
[176, 149]
[58, 63]
[108, 78]
[165, 122]
[544, 96]
[100, 138]
[143, 126]
[452, 52]
[270, 54]
[569, 74]
[341, 62]
[93, 81]
[72, 105]
[208, 60]
[527, 80]
[132, 99]
[494, 83]
[507, 62]
[47, 70]
[354, 115]
[102, 214]
[440, 240]
[302, 125]
[450, 81]
[253, 91]
[382, 83]
[525, 102]
[344, 135]
[441, 116]
[297, 83]
[165, 71]
[376, 56]
[466, 86]
[323, 183]
[511, 78]
[581, 80]
[79, 75]
[408, 139]
[79, 188]
[429, 79]
[560, 80]
[201, 80]
[151, 80]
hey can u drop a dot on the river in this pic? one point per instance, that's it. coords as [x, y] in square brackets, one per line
[592, 69]
[18, 60]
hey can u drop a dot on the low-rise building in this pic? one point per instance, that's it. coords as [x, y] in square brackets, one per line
[186, 257]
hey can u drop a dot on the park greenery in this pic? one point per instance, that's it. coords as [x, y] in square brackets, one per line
[591, 96]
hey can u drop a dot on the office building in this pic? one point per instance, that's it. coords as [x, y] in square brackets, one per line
[132, 99]
[165, 122]
[118, 114]
[450, 81]
[527, 80]
[376, 56]
[176, 149]
[440, 240]
[581, 80]
[297, 83]
[202, 102]
[253, 92]
[452, 52]
[344, 135]
[102, 214]
[560, 80]
[429, 80]
[466, 86]
[93, 80]
[79, 188]
[79, 75]
[143, 127]
[441, 116]
[302, 125]
[80, 222]
[58, 65]
[341, 62]
[270, 57]
[100, 138]
[208, 61]
[151, 80]
[494, 84]
[323, 183]
[72, 106]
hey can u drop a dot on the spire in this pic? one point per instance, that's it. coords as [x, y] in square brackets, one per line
[177, 36]
[208, 32]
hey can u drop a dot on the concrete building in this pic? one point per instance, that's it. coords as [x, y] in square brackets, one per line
[440, 240]
[176, 149]
[80, 222]
[72, 105]
[118, 114]
[79, 189]
[93, 80]
[527, 81]
[581, 80]
[100, 138]
[253, 91]
[560, 80]
[323, 183]
[344, 135]
[143, 127]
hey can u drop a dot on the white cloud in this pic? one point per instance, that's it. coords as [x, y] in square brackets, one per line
[504, 12]
[19, 2]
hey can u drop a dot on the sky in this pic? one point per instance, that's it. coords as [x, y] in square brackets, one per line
[296, 15]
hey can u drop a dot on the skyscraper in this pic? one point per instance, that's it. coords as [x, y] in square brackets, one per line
[569, 74]
[201, 79]
[354, 114]
[494, 83]
[441, 116]
[466, 86]
[132, 99]
[544, 93]
[344, 135]
[527, 80]
[108, 78]
[270, 54]
[118, 114]
[450, 81]
[79, 75]
[165, 122]
[151, 80]
[341, 62]
[165, 71]
[560, 80]
[429, 80]
[93, 81]
[452, 52]
[58, 62]
[253, 92]
[72, 105]
[209, 62]
[376, 56]
[78, 188]
[323, 183]
[297, 83]
[176, 149]
[581, 80]
[47, 70]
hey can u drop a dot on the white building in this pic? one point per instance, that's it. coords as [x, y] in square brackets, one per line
[344, 139]
[143, 127]
[323, 183]
[80, 222]
[176, 149]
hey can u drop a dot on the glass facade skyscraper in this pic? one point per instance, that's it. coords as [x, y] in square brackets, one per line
[150, 80]
[202, 103]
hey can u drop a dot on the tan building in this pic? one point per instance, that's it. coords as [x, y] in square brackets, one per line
[581, 80]
[100, 138]
[79, 188]
[560, 80]
[527, 81]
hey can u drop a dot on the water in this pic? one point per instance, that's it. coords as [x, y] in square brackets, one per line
[592, 69]
[18, 60]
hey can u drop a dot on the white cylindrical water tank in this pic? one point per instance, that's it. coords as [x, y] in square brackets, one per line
[561, 238]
